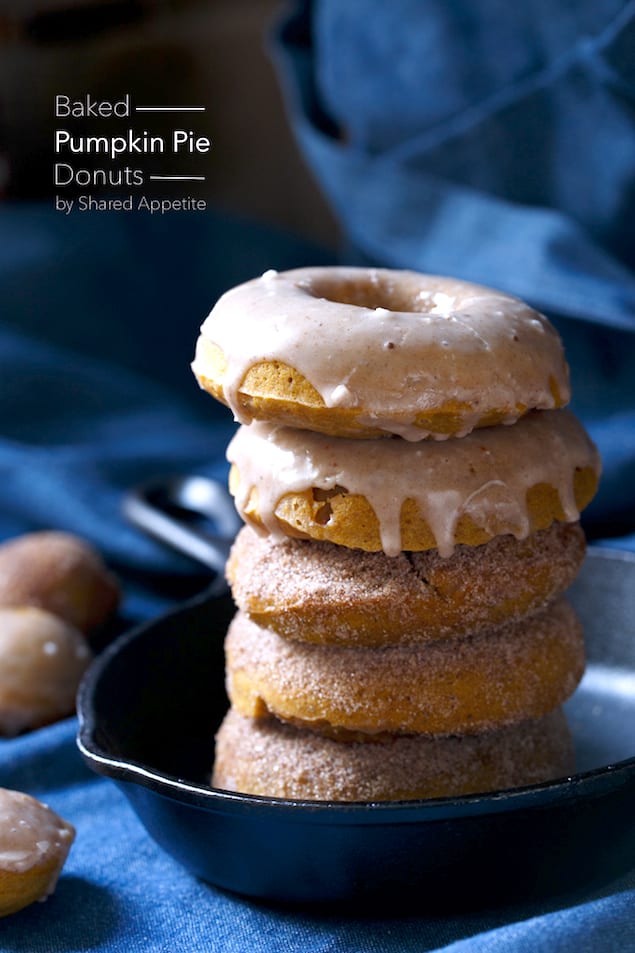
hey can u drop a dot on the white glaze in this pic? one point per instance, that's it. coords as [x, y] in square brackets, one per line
[42, 659]
[456, 340]
[486, 474]
[31, 835]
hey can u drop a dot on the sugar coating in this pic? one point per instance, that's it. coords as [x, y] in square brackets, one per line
[320, 592]
[267, 757]
[458, 640]
[501, 676]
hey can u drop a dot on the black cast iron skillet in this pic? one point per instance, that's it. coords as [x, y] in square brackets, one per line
[150, 705]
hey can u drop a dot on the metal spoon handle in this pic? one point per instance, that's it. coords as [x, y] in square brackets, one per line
[168, 510]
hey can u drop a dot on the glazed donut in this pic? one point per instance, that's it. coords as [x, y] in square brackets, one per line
[395, 495]
[320, 592]
[34, 844]
[273, 759]
[358, 352]
[42, 659]
[466, 685]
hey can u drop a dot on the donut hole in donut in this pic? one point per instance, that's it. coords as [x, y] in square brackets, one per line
[351, 518]
[374, 291]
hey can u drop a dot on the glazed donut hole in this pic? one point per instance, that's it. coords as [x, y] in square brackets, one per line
[42, 659]
[34, 845]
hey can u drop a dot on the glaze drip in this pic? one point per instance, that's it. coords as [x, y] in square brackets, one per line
[486, 475]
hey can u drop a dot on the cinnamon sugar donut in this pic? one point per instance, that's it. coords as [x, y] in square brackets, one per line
[504, 675]
[364, 352]
[320, 592]
[396, 495]
[273, 759]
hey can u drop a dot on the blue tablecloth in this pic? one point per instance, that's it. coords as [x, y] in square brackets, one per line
[98, 317]
[482, 139]
[121, 894]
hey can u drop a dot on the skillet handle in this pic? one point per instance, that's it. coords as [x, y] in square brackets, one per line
[168, 510]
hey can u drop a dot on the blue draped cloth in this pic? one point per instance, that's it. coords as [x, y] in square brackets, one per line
[494, 142]
[487, 140]
[491, 141]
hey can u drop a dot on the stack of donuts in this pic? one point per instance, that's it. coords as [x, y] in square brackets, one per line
[411, 486]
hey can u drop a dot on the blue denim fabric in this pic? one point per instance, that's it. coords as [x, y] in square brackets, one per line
[487, 140]
[119, 893]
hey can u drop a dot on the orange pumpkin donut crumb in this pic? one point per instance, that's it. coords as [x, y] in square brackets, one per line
[502, 676]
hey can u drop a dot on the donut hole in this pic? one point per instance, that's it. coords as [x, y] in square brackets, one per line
[373, 292]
